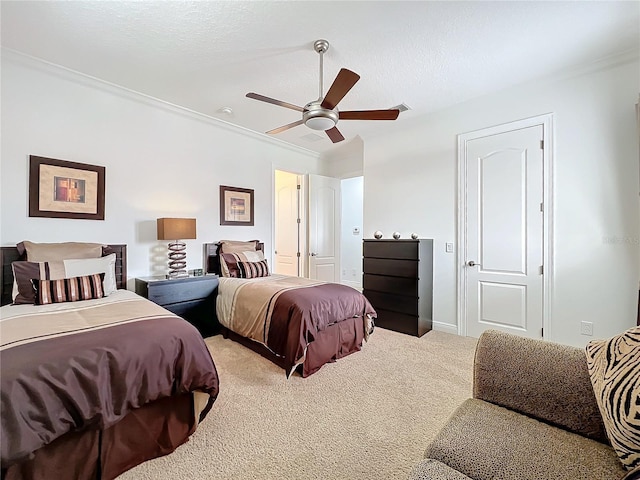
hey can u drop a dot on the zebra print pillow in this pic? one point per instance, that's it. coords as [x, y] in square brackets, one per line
[614, 368]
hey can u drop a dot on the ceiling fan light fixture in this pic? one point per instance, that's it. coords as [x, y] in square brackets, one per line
[317, 118]
[320, 123]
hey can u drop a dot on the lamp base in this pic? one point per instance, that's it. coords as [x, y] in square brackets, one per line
[177, 260]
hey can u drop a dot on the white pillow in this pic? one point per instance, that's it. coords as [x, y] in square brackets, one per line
[79, 267]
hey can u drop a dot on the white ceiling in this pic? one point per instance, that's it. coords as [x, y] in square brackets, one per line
[428, 54]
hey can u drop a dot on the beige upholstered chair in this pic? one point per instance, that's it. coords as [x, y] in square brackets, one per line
[533, 416]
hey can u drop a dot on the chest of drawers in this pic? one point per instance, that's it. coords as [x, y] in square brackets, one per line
[398, 281]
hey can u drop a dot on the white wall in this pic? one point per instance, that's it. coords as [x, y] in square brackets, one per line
[345, 160]
[410, 186]
[351, 244]
[161, 161]
[164, 161]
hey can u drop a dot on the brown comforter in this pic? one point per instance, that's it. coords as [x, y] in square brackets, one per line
[286, 313]
[88, 366]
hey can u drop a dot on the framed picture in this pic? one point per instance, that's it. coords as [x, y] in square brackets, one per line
[61, 189]
[236, 206]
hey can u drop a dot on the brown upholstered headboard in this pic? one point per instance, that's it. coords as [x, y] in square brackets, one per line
[211, 260]
[10, 254]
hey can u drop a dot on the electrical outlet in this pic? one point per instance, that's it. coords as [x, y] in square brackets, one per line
[448, 247]
[586, 328]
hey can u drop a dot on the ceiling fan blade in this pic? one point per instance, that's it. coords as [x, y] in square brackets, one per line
[345, 80]
[262, 98]
[370, 115]
[285, 127]
[335, 135]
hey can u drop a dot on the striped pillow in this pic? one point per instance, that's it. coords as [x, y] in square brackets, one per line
[253, 269]
[73, 289]
[24, 272]
[614, 368]
[229, 261]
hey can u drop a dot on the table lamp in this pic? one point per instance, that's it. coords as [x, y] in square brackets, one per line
[177, 229]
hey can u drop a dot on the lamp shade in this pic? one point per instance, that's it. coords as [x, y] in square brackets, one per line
[176, 228]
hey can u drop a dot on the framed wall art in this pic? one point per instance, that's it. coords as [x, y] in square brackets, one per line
[62, 189]
[236, 206]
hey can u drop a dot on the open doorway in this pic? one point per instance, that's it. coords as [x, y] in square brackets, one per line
[317, 231]
[351, 238]
[288, 224]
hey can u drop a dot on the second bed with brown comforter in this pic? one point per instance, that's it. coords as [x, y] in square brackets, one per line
[300, 321]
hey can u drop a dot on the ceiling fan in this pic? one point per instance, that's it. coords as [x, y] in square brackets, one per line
[322, 114]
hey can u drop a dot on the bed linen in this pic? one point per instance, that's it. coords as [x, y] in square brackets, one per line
[286, 314]
[86, 365]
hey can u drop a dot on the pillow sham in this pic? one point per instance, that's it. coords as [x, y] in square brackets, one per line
[615, 376]
[48, 252]
[253, 269]
[235, 246]
[24, 272]
[107, 265]
[74, 289]
[229, 261]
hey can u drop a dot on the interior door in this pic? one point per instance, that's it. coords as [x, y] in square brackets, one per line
[324, 228]
[287, 223]
[503, 271]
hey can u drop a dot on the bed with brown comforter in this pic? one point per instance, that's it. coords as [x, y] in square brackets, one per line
[300, 321]
[90, 389]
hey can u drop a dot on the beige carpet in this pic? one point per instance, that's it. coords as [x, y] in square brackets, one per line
[367, 416]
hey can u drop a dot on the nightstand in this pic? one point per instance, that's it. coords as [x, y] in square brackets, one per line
[192, 298]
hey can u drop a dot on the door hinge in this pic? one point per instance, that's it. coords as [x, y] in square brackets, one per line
[298, 186]
[541, 144]
[541, 269]
[298, 254]
[542, 332]
[541, 206]
[297, 220]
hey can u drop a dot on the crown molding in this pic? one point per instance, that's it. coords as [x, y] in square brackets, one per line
[620, 58]
[8, 54]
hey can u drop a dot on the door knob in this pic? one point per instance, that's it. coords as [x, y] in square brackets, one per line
[276, 252]
[471, 263]
[313, 254]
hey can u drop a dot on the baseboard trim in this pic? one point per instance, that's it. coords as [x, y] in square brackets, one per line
[445, 327]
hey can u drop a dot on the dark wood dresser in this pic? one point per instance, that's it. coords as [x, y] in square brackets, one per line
[398, 281]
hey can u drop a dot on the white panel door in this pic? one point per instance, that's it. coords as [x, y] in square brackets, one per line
[504, 250]
[287, 223]
[324, 228]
